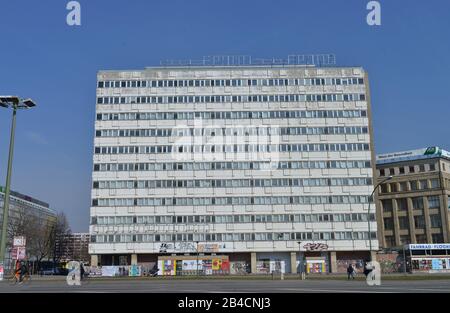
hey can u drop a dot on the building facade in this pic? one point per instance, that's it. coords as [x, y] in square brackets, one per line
[73, 247]
[259, 164]
[26, 216]
[413, 207]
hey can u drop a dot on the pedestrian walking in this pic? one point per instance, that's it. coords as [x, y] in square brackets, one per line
[350, 272]
[367, 270]
[82, 271]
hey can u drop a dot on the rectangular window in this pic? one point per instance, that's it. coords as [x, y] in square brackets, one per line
[423, 184]
[388, 223]
[419, 221]
[402, 204]
[403, 222]
[437, 238]
[421, 238]
[390, 241]
[435, 183]
[403, 186]
[417, 203]
[394, 187]
[405, 240]
[387, 205]
[433, 202]
[436, 221]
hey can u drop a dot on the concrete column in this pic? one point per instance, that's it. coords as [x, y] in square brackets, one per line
[412, 227]
[94, 260]
[426, 213]
[253, 262]
[373, 255]
[134, 259]
[293, 262]
[333, 262]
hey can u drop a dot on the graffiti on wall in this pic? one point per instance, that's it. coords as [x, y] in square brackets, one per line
[238, 267]
[177, 247]
[315, 246]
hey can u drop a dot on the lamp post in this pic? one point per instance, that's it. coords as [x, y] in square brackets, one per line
[368, 213]
[197, 254]
[299, 262]
[15, 103]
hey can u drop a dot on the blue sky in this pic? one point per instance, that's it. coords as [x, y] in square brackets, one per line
[407, 57]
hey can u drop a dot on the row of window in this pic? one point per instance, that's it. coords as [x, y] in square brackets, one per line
[413, 185]
[211, 166]
[227, 237]
[241, 131]
[410, 169]
[417, 203]
[207, 115]
[231, 183]
[230, 219]
[232, 148]
[232, 99]
[230, 82]
[406, 239]
[419, 222]
[113, 202]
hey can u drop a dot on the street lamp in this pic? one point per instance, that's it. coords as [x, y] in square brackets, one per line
[299, 262]
[15, 103]
[197, 255]
[368, 212]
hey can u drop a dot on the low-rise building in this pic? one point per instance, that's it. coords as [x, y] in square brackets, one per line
[413, 207]
[27, 217]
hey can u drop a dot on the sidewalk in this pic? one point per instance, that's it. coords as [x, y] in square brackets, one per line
[396, 276]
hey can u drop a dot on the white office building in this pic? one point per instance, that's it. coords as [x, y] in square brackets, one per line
[250, 163]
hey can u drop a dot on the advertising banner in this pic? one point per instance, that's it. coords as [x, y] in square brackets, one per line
[134, 271]
[216, 264]
[263, 267]
[109, 271]
[315, 266]
[189, 265]
[93, 271]
[168, 267]
[277, 266]
[436, 264]
[225, 266]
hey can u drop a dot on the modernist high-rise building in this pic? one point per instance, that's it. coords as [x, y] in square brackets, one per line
[252, 164]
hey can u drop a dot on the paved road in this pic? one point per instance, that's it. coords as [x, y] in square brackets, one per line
[231, 286]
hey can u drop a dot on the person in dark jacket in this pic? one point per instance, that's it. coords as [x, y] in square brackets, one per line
[22, 271]
[350, 272]
[366, 269]
[81, 271]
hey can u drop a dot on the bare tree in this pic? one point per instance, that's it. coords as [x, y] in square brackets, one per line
[40, 245]
[60, 237]
[37, 231]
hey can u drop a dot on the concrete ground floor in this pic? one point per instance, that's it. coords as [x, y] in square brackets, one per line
[240, 262]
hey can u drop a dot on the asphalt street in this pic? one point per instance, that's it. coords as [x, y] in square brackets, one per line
[230, 286]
